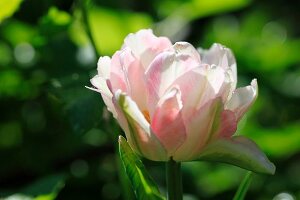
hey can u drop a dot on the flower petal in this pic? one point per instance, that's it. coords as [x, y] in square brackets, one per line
[187, 49]
[103, 68]
[162, 73]
[167, 123]
[200, 85]
[220, 56]
[238, 151]
[242, 99]
[201, 126]
[139, 134]
[145, 45]
[101, 86]
[128, 75]
[228, 124]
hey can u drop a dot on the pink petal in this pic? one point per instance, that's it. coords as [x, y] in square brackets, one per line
[138, 132]
[201, 128]
[228, 124]
[200, 85]
[145, 45]
[242, 99]
[128, 76]
[163, 71]
[167, 123]
[195, 90]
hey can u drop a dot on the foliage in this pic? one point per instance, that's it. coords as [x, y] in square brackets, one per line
[50, 124]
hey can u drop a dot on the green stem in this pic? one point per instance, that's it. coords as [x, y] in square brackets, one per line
[87, 26]
[242, 190]
[174, 180]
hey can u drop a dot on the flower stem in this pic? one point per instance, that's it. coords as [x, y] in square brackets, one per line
[174, 180]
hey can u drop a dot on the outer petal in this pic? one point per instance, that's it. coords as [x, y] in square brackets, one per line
[103, 68]
[220, 56]
[238, 151]
[139, 134]
[162, 73]
[101, 86]
[201, 127]
[127, 74]
[228, 124]
[146, 46]
[167, 123]
[242, 99]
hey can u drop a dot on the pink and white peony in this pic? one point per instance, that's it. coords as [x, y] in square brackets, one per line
[174, 101]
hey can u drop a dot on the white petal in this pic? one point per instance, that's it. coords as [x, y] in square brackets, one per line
[242, 99]
[104, 67]
[220, 56]
[187, 49]
[101, 86]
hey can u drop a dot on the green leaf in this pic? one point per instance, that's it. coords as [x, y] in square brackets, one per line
[44, 189]
[142, 183]
[243, 188]
[239, 151]
[8, 7]
[47, 186]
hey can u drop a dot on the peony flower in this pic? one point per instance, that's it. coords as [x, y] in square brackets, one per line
[174, 101]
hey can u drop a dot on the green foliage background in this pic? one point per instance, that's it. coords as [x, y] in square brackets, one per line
[57, 140]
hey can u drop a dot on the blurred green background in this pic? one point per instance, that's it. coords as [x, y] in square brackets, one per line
[57, 141]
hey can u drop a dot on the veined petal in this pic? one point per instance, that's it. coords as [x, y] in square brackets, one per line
[201, 127]
[221, 56]
[242, 99]
[238, 151]
[145, 45]
[167, 123]
[139, 134]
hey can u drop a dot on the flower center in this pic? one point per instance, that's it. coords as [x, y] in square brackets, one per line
[146, 115]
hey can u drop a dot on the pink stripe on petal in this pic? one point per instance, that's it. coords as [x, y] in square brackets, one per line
[167, 123]
[201, 128]
[228, 124]
[127, 74]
